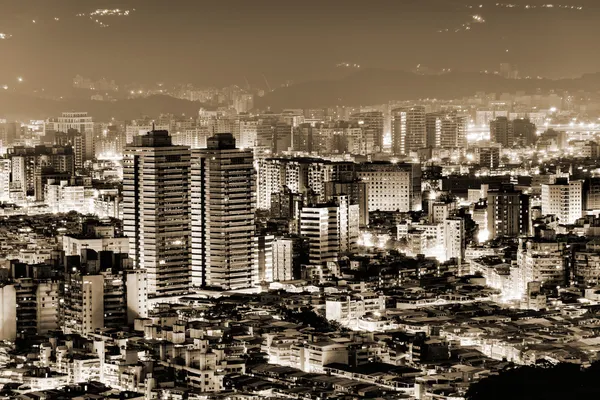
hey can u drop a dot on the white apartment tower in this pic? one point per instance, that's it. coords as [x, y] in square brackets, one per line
[391, 187]
[408, 129]
[156, 211]
[283, 259]
[82, 123]
[331, 229]
[223, 206]
[454, 239]
[563, 199]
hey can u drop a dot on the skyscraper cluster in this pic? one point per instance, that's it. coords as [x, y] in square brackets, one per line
[189, 215]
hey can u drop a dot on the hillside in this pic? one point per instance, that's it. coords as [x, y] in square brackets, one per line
[381, 86]
[16, 106]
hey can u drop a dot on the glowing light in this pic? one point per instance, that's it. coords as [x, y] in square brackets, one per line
[483, 236]
[366, 239]
[20, 79]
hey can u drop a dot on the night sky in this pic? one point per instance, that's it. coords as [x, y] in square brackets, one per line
[221, 42]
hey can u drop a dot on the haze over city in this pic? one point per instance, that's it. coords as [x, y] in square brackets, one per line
[220, 43]
[247, 200]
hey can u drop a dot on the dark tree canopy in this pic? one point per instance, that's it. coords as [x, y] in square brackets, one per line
[559, 382]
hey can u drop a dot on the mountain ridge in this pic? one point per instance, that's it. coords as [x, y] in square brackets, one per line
[381, 86]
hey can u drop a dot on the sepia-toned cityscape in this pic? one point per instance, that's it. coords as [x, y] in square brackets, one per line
[310, 200]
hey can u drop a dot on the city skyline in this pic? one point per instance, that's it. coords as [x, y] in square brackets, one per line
[352, 200]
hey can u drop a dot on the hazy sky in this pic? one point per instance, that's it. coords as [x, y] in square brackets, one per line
[223, 41]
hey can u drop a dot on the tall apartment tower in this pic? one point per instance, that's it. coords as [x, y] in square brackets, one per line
[502, 131]
[507, 213]
[564, 199]
[84, 124]
[446, 130]
[223, 206]
[332, 229]
[391, 187]
[371, 121]
[408, 129]
[156, 211]
[454, 238]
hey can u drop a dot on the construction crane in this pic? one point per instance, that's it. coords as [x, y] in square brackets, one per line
[267, 82]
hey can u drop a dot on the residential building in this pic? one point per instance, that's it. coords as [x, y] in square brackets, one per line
[507, 213]
[156, 211]
[564, 199]
[392, 187]
[408, 129]
[331, 229]
[223, 207]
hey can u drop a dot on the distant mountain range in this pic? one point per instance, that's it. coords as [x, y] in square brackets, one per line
[372, 86]
[366, 87]
[20, 107]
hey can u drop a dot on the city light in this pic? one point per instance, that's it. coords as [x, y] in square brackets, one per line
[230, 199]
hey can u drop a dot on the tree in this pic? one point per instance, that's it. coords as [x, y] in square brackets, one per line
[558, 382]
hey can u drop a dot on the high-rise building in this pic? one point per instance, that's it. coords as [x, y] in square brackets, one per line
[299, 175]
[243, 102]
[507, 213]
[137, 128]
[446, 130]
[194, 138]
[592, 194]
[487, 156]
[392, 187]
[439, 211]
[248, 134]
[408, 129]
[8, 312]
[586, 265]
[223, 206]
[284, 137]
[5, 172]
[286, 254]
[372, 121]
[542, 261]
[75, 140]
[95, 291]
[8, 133]
[454, 239]
[264, 257]
[564, 199]
[137, 295]
[32, 166]
[331, 229]
[156, 211]
[524, 131]
[502, 132]
[357, 193]
[82, 123]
